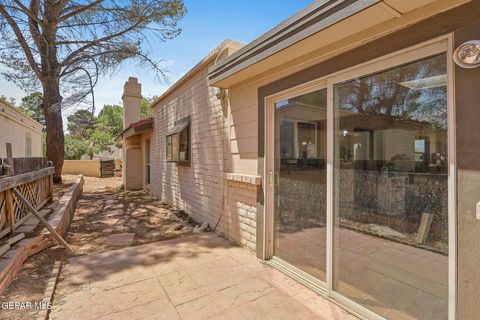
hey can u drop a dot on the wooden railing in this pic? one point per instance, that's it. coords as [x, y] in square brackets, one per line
[35, 186]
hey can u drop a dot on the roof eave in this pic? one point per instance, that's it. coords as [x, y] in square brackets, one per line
[226, 44]
[14, 109]
[289, 32]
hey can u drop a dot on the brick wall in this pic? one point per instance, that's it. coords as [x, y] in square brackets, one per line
[197, 189]
[241, 219]
[202, 189]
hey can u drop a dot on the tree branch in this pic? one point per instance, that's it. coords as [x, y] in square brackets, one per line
[25, 10]
[93, 43]
[23, 42]
[80, 10]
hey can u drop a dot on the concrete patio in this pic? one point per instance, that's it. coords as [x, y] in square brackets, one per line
[194, 277]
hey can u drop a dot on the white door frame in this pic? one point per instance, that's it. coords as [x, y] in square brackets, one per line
[425, 49]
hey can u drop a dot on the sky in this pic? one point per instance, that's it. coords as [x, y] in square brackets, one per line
[206, 24]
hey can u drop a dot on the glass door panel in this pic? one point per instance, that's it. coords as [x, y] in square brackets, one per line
[300, 182]
[390, 244]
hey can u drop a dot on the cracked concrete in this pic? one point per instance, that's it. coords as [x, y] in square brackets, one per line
[195, 277]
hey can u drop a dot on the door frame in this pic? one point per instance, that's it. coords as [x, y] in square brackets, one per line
[442, 44]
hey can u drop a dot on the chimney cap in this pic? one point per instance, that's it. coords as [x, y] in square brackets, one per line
[132, 88]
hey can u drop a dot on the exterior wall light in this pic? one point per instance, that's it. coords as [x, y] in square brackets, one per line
[467, 55]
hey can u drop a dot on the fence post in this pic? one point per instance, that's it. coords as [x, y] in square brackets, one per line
[10, 210]
[11, 169]
[50, 181]
[8, 193]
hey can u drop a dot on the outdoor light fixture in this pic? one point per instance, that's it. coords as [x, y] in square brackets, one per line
[467, 55]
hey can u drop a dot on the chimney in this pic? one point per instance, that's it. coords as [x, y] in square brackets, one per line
[132, 98]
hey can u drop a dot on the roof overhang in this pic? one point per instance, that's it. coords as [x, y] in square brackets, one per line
[320, 31]
[134, 129]
[224, 49]
[179, 125]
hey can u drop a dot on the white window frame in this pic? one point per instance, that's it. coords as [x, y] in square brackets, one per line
[443, 44]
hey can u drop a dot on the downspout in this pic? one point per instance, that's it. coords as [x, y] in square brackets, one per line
[222, 95]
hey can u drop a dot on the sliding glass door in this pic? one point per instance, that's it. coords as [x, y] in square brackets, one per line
[391, 190]
[361, 185]
[300, 187]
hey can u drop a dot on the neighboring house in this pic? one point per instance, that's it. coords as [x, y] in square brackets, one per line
[24, 133]
[341, 147]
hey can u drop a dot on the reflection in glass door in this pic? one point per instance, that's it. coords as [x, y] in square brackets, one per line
[300, 183]
[391, 190]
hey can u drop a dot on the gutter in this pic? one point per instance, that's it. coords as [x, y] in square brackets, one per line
[313, 19]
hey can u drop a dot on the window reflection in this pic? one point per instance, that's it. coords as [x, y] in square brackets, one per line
[390, 173]
[300, 190]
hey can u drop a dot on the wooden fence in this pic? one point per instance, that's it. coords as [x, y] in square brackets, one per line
[34, 181]
[23, 165]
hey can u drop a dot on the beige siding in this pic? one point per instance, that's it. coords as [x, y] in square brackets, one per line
[14, 128]
[223, 140]
[243, 131]
[218, 146]
[197, 189]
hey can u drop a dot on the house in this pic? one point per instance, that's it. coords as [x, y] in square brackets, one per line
[340, 147]
[24, 133]
[135, 139]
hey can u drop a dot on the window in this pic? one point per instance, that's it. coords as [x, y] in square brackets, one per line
[387, 172]
[393, 126]
[28, 144]
[178, 142]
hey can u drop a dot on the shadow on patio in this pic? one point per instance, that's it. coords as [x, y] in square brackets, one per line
[193, 277]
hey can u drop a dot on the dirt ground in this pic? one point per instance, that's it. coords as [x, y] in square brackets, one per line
[103, 210]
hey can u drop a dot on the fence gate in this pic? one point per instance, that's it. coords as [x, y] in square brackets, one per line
[107, 168]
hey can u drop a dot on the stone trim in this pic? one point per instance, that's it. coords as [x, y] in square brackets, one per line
[245, 178]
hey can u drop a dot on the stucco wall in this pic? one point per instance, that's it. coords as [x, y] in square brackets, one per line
[134, 167]
[14, 128]
[89, 168]
[467, 97]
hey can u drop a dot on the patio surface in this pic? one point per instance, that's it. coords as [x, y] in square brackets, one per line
[376, 272]
[192, 277]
